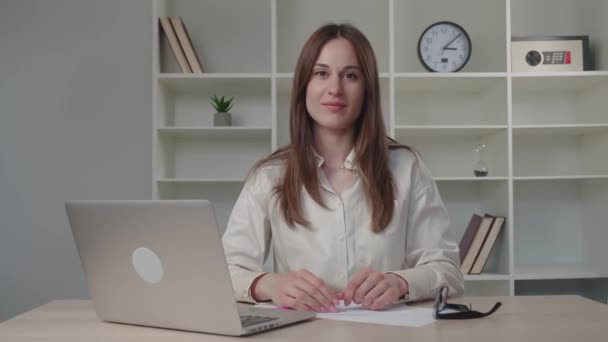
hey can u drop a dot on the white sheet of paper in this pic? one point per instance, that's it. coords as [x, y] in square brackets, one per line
[400, 315]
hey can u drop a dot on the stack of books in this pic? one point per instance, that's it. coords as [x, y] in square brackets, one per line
[477, 242]
[181, 45]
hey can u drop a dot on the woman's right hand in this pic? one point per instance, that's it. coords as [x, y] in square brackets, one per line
[300, 290]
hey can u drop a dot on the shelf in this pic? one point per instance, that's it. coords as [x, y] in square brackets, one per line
[217, 132]
[469, 179]
[451, 101]
[284, 75]
[451, 155]
[564, 18]
[578, 100]
[537, 272]
[560, 151]
[199, 180]
[212, 156]
[574, 74]
[552, 178]
[486, 277]
[546, 133]
[462, 200]
[446, 75]
[449, 130]
[559, 130]
[487, 31]
[443, 82]
[550, 82]
[210, 83]
[187, 101]
[560, 222]
[168, 77]
[247, 24]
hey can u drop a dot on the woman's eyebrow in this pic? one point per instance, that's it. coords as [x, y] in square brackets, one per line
[348, 67]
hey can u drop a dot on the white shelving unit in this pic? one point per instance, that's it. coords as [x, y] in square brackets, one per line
[546, 133]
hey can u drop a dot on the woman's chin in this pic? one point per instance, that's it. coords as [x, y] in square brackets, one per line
[334, 126]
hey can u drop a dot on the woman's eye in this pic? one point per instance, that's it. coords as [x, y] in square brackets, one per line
[351, 76]
[321, 73]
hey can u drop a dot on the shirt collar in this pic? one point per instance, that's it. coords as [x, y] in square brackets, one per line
[350, 162]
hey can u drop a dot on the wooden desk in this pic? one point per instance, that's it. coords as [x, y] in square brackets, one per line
[539, 318]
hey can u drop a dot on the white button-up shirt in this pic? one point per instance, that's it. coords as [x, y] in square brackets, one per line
[415, 245]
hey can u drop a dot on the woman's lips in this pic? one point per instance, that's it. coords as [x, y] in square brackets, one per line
[334, 107]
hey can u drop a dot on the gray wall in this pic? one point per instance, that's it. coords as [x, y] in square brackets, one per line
[75, 123]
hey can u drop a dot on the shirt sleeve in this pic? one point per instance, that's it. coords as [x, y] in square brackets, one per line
[247, 238]
[431, 257]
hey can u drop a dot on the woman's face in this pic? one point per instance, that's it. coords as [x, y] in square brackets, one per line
[335, 91]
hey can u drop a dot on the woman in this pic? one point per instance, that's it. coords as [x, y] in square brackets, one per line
[352, 215]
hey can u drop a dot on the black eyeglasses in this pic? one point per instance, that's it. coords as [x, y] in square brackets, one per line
[462, 311]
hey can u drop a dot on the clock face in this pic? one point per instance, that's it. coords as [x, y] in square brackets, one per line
[444, 47]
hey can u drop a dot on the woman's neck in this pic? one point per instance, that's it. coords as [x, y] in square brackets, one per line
[333, 146]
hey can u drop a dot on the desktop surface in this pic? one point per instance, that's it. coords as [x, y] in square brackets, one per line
[521, 318]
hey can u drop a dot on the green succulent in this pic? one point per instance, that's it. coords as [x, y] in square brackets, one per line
[221, 105]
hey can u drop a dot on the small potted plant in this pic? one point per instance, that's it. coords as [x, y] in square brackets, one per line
[222, 107]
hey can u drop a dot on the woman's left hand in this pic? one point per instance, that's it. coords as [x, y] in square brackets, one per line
[374, 290]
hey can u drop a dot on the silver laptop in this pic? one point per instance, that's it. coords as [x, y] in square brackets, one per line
[162, 264]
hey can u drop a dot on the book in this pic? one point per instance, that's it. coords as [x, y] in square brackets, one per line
[482, 258]
[186, 43]
[468, 236]
[475, 248]
[175, 46]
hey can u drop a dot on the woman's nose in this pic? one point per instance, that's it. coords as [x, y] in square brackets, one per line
[335, 86]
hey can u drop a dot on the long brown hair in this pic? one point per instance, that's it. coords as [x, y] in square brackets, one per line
[370, 140]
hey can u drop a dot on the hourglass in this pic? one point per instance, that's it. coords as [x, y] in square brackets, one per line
[480, 168]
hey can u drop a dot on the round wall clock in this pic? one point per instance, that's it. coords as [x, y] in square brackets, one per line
[444, 47]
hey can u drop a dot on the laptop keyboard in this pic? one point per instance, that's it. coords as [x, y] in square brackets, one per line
[248, 320]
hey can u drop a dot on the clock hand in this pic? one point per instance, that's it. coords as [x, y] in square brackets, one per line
[447, 48]
[451, 41]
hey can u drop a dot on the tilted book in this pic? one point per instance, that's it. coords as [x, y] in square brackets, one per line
[186, 43]
[468, 236]
[475, 248]
[175, 46]
[482, 258]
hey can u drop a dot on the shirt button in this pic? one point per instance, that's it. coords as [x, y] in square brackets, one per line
[341, 238]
